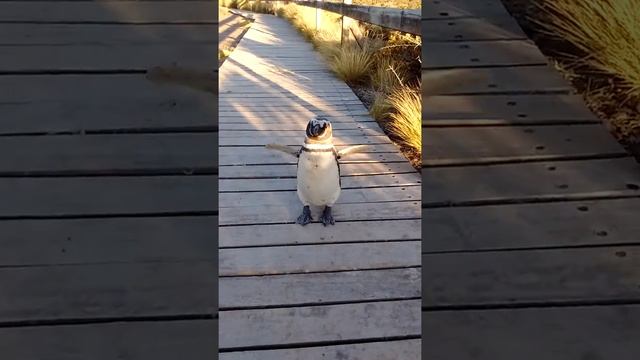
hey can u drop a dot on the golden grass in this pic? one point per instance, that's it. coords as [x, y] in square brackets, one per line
[405, 121]
[352, 64]
[606, 30]
[400, 4]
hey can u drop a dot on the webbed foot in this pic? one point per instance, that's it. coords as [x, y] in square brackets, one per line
[326, 217]
[305, 217]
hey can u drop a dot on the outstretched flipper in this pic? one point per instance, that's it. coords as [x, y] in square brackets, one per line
[350, 150]
[284, 149]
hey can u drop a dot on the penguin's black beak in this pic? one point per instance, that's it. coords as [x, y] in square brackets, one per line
[316, 130]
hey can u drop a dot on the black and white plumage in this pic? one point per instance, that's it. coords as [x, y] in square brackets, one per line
[318, 169]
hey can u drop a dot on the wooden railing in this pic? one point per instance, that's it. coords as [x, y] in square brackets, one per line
[407, 21]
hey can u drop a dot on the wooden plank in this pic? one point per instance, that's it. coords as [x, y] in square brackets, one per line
[482, 53]
[138, 340]
[319, 324]
[468, 29]
[76, 34]
[591, 275]
[487, 144]
[402, 349]
[284, 171]
[227, 135]
[444, 9]
[297, 138]
[70, 241]
[78, 196]
[563, 224]
[330, 257]
[15, 58]
[109, 11]
[527, 79]
[107, 290]
[290, 198]
[119, 153]
[73, 103]
[509, 181]
[271, 214]
[296, 289]
[593, 332]
[271, 119]
[283, 234]
[293, 126]
[350, 182]
[262, 156]
[83, 88]
[512, 108]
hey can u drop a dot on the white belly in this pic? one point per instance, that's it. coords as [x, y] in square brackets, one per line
[318, 179]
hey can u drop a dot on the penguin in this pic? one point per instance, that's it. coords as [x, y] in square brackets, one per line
[318, 170]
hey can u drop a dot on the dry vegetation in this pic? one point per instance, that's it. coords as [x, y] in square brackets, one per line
[382, 66]
[596, 44]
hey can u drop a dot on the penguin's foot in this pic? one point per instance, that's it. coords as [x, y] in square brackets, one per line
[305, 217]
[326, 217]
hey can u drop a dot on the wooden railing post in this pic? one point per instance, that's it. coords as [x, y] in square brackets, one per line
[346, 23]
[318, 15]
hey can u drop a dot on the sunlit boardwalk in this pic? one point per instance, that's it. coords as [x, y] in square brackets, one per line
[530, 208]
[349, 291]
[107, 182]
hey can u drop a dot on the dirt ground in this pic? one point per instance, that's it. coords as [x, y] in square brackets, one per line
[621, 116]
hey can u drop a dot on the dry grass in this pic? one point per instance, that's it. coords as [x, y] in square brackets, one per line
[400, 4]
[352, 64]
[606, 30]
[405, 120]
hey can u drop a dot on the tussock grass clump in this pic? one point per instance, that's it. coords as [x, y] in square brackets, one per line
[352, 64]
[405, 121]
[388, 75]
[606, 31]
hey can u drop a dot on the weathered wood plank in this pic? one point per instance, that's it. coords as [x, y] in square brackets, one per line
[510, 181]
[108, 153]
[85, 34]
[153, 239]
[444, 9]
[24, 197]
[350, 182]
[482, 53]
[296, 139]
[284, 171]
[295, 126]
[15, 58]
[270, 214]
[297, 133]
[300, 118]
[563, 224]
[109, 11]
[263, 156]
[189, 340]
[107, 290]
[485, 144]
[592, 275]
[511, 108]
[72, 103]
[319, 324]
[469, 29]
[402, 349]
[527, 79]
[593, 332]
[290, 198]
[330, 257]
[283, 234]
[296, 289]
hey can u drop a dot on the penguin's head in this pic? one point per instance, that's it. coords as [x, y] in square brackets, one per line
[319, 129]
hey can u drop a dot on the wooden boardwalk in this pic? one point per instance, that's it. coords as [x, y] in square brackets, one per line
[287, 292]
[107, 182]
[530, 207]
